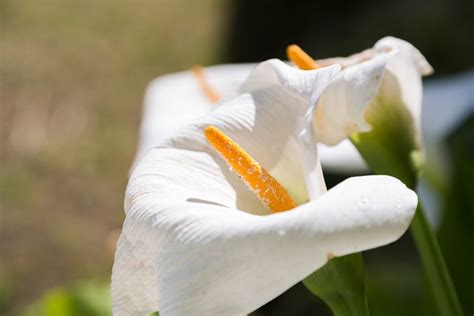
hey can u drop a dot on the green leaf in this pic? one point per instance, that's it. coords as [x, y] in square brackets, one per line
[435, 267]
[58, 302]
[457, 225]
[341, 285]
[86, 298]
[92, 298]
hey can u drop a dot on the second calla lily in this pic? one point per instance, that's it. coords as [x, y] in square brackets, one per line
[197, 241]
[361, 87]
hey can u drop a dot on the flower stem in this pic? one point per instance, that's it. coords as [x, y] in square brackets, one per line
[434, 265]
[341, 285]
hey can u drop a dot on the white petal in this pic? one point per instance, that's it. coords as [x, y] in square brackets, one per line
[189, 176]
[349, 60]
[307, 84]
[392, 43]
[201, 259]
[266, 122]
[340, 110]
[403, 77]
[165, 178]
[174, 100]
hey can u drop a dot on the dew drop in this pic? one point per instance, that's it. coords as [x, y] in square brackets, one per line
[281, 232]
[363, 203]
[399, 209]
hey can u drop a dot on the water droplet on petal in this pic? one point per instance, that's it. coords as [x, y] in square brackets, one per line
[363, 202]
[281, 232]
[399, 209]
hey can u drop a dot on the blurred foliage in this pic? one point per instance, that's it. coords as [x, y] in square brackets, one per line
[441, 29]
[91, 298]
[456, 233]
[72, 77]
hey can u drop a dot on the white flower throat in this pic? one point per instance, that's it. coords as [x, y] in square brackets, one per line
[270, 192]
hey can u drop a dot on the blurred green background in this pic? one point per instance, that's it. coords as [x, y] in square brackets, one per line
[72, 77]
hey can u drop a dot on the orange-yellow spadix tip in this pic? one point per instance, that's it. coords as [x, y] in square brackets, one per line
[268, 189]
[300, 58]
[209, 91]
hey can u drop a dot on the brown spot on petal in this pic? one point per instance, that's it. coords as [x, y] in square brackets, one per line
[330, 255]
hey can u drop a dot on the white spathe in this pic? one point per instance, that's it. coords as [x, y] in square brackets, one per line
[194, 241]
[392, 69]
[341, 108]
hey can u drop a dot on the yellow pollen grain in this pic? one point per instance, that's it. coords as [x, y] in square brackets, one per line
[268, 189]
[300, 58]
[209, 91]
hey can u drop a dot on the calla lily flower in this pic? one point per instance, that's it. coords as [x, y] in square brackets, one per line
[198, 241]
[344, 106]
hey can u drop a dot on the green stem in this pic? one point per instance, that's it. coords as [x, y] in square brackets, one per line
[434, 265]
[341, 285]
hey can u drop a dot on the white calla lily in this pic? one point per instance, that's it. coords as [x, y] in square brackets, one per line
[194, 243]
[391, 71]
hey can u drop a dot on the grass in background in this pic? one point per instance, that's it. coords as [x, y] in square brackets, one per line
[72, 77]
